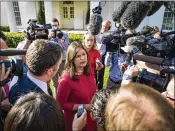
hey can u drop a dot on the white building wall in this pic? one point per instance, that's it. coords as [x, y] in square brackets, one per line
[4, 18]
[80, 10]
[56, 7]
[154, 20]
[28, 10]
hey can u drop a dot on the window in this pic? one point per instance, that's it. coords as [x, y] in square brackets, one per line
[65, 12]
[17, 13]
[168, 20]
[71, 12]
[68, 9]
[68, 2]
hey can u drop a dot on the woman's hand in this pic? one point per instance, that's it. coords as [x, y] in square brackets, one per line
[98, 65]
[79, 123]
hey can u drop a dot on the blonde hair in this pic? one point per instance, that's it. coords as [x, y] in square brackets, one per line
[95, 43]
[139, 107]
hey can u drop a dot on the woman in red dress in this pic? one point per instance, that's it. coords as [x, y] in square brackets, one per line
[76, 86]
[94, 55]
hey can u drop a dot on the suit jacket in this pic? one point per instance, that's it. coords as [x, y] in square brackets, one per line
[23, 86]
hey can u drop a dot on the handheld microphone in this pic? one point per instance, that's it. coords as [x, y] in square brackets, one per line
[95, 22]
[154, 6]
[8, 52]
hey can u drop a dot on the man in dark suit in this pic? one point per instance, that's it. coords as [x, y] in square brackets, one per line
[43, 59]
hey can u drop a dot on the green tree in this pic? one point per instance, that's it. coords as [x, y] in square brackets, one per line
[41, 14]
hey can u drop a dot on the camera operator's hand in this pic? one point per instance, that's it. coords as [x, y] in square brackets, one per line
[62, 39]
[79, 123]
[131, 72]
[3, 74]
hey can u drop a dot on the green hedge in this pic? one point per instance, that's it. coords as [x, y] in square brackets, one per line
[14, 38]
[5, 28]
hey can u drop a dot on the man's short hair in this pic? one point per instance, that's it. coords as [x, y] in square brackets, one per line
[139, 107]
[55, 20]
[42, 55]
[35, 112]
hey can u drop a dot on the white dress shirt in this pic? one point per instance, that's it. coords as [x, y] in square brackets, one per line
[41, 84]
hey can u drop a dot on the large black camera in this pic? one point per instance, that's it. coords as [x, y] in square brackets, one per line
[112, 40]
[163, 47]
[160, 48]
[16, 65]
[35, 31]
[57, 33]
[155, 81]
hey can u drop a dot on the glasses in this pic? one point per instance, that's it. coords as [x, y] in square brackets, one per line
[54, 25]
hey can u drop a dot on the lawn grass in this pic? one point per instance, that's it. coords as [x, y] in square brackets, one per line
[106, 76]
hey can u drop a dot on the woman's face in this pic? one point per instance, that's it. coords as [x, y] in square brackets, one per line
[80, 58]
[89, 41]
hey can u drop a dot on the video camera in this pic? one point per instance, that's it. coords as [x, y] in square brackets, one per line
[35, 31]
[57, 33]
[158, 82]
[15, 63]
[163, 47]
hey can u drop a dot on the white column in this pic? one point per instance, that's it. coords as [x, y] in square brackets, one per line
[10, 16]
[48, 11]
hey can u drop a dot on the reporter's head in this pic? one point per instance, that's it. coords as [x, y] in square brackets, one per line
[43, 58]
[139, 107]
[35, 112]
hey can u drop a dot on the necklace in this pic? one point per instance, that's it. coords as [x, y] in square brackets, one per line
[79, 72]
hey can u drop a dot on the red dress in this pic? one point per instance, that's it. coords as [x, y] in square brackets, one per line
[76, 92]
[94, 55]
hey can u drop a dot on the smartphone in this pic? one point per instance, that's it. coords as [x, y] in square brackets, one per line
[80, 110]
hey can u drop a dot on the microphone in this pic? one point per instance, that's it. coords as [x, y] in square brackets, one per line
[95, 22]
[9, 52]
[149, 59]
[134, 14]
[155, 6]
[119, 12]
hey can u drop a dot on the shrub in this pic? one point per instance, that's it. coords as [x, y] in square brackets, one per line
[14, 38]
[5, 28]
[41, 15]
[75, 37]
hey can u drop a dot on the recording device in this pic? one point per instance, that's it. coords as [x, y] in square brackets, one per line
[16, 65]
[14, 62]
[10, 52]
[35, 31]
[158, 82]
[80, 110]
[57, 33]
[95, 22]
[155, 81]
[163, 47]
[131, 14]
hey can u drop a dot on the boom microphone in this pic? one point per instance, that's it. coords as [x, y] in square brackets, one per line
[155, 6]
[134, 14]
[119, 12]
[149, 59]
[7, 52]
[95, 22]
